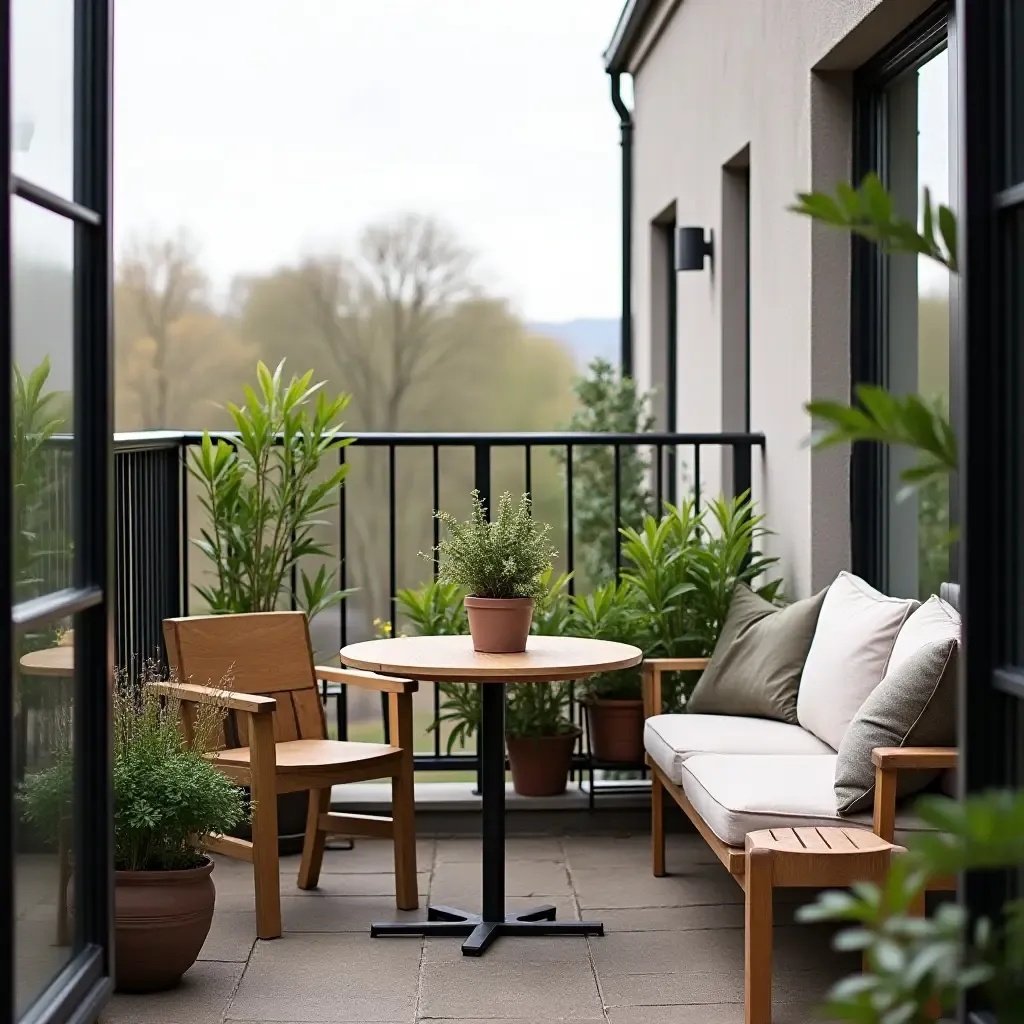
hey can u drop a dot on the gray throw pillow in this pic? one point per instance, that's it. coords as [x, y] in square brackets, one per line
[913, 706]
[760, 654]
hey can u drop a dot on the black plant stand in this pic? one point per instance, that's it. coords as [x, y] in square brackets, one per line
[482, 929]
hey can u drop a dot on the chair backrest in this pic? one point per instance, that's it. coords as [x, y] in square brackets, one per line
[265, 653]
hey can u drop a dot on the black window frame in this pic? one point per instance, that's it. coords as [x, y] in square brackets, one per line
[870, 489]
[81, 988]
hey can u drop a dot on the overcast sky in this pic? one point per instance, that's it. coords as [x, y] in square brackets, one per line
[269, 127]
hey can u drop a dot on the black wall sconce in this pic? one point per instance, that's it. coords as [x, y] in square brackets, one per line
[692, 248]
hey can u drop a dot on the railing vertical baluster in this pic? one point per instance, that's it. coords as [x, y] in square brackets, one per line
[617, 505]
[435, 499]
[482, 483]
[343, 549]
[528, 475]
[696, 477]
[741, 469]
[184, 546]
[659, 483]
[392, 572]
[570, 550]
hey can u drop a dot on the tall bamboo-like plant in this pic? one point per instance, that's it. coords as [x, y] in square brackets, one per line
[266, 496]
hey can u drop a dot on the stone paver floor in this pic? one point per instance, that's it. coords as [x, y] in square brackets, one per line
[673, 949]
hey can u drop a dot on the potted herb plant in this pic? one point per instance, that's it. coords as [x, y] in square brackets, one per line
[167, 797]
[500, 565]
[265, 494]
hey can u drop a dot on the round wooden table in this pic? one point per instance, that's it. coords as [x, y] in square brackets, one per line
[452, 659]
[51, 661]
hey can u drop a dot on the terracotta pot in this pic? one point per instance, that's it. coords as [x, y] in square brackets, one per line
[540, 766]
[161, 920]
[616, 730]
[499, 625]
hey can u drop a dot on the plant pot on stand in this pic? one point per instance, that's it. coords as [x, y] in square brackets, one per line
[616, 729]
[540, 764]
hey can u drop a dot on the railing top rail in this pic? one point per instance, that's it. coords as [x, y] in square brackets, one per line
[167, 438]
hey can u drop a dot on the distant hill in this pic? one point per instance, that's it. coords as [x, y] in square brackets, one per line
[588, 339]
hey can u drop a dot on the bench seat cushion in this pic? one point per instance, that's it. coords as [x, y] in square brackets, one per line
[740, 793]
[671, 739]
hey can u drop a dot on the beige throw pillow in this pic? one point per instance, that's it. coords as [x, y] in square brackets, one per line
[760, 654]
[849, 654]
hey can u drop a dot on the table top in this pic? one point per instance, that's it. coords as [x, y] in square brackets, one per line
[51, 661]
[452, 659]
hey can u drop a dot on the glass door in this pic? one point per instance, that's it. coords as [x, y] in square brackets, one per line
[989, 47]
[55, 585]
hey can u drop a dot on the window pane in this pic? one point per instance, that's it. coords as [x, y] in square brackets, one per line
[44, 767]
[42, 118]
[918, 293]
[1015, 92]
[43, 250]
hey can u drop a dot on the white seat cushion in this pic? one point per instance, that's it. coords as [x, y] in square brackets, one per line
[671, 739]
[740, 793]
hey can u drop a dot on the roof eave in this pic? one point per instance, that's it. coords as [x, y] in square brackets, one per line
[631, 23]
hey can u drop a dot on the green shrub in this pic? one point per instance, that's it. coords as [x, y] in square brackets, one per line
[166, 793]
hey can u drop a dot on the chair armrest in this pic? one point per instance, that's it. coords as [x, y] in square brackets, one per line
[366, 680]
[193, 693]
[906, 758]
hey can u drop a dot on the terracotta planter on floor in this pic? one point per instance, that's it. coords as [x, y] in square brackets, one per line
[540, 766]
[161, 920]
[616, 730]
[499, 625]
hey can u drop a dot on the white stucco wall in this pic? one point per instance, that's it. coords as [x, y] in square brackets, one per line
[721, 75]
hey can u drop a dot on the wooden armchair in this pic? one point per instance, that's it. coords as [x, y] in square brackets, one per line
[275, 741]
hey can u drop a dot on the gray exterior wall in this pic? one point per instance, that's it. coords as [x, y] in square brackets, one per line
[713, 78]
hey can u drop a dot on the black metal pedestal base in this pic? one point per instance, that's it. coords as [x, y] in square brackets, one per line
[482, 929]
[480, 933]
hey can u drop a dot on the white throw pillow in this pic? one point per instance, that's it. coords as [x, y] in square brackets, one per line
[936, 620]
[849, 654]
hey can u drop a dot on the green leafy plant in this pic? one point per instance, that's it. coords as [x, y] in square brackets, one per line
[918, 965]
[607, 404]
[166, 793]
[536, 710]
[682, 570]
[501, 559]
[435, 609]
[266, 495]
[909, 420]
[610, 613]
[40, 476]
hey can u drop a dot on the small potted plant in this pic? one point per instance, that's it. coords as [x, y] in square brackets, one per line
[501, 565]
[614, 700]
[539, 737]
[167, 797]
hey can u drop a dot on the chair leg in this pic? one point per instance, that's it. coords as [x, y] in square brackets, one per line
[265, 864]
[658, 826]
[316, 838]
[403, 816]
[758, 941]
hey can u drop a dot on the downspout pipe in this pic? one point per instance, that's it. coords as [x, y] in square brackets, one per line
[626, 141]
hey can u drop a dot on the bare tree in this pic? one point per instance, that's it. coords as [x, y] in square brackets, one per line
[158, 284]
[385, 317]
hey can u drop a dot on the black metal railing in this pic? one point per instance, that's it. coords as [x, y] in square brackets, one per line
[384, 518]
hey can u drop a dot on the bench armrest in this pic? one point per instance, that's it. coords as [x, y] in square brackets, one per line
[650, 674]
[889, 762]
[193, 693]
[366, 680]
[897, 758]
